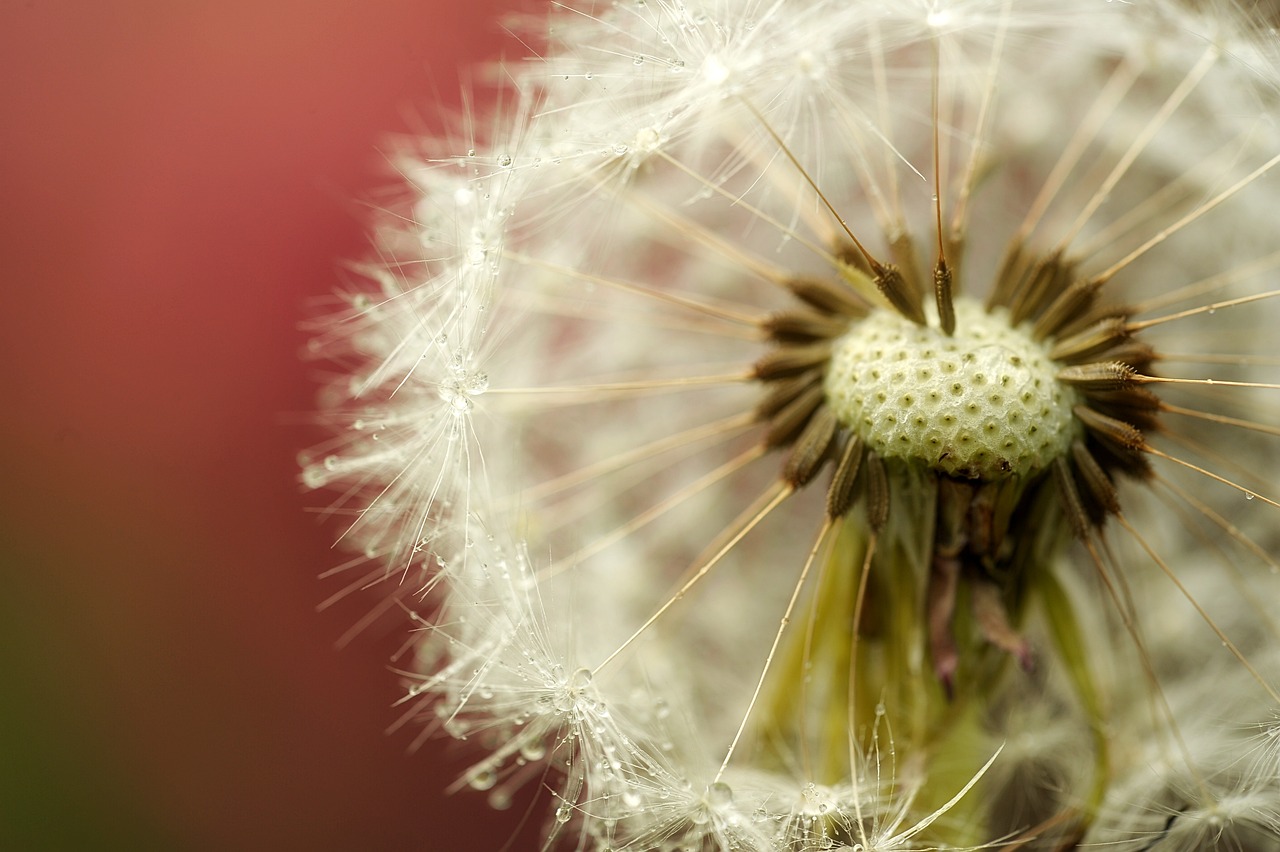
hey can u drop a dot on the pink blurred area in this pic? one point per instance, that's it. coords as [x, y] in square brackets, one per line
[178, 184]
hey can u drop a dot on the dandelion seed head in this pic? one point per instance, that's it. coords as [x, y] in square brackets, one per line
[985, 403]
[811, 426]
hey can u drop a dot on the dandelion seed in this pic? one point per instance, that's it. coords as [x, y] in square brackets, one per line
[839, 445]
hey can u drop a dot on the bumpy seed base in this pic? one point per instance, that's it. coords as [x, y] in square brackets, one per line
[982, 404]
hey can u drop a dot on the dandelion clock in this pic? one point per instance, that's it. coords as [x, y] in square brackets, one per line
[834, 426]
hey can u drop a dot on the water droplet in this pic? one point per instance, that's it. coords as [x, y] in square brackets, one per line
[563, 813]
[639, 59]
[533, 750]
[483, 779]
[581, 679]
[471, 152]
[1249, 495]
[719, 795]
[504, 160]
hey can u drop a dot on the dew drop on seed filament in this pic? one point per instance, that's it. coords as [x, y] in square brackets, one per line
[483, 780]
[563, 813]
[533, 750]
[719, 795]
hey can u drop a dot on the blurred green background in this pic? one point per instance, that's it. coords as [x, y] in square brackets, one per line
[179, 181]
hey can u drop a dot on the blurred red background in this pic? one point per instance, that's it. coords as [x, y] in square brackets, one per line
[178, 184]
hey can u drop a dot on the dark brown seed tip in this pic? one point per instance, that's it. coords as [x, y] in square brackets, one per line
[901, 297]
[842, 495]
[1106, 376]
[943, 295]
